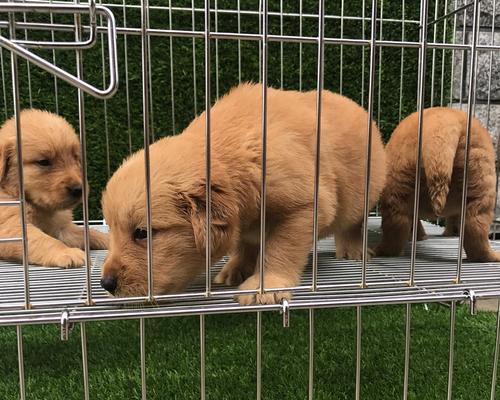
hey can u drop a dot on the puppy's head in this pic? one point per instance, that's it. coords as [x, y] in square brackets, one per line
[178, 224]
[51, 160]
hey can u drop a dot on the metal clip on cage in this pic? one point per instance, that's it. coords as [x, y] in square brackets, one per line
[19, 47]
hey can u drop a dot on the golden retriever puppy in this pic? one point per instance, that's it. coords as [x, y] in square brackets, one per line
[179, 187]
[443, 150]
[53, 187]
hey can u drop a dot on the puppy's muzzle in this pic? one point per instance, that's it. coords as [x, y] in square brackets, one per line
[110, 284]
[75, 191]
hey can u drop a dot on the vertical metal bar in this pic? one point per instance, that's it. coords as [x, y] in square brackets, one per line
[20, 358]
[28, 69]
[260, 33]
[203, 389]
[443, 56]
[407, 351]
[366, 206]
[171, 49]
[434, 39]
[239, 41]
[142, 343]
[401, 71]
[422, 57]
[281, 44]
[259, 349]
[453, 313]
[145, 117]
[311, 355]
[4, 83]
[105, 103]
[493, 391]
[216, 22]
[341, 59]
[56, 89]
[488, 114]
[85, 361]
[471, 101]
[127, 92]
[263, 187]
[452, 72]
[300, 45]
[462, 63]
[492, 42]
[19, 154]
[380, 70]
[358, 351]
[363, 35]
[150, 79]
[319, 92]
[208, 153]
[195, 88]
[83, 150]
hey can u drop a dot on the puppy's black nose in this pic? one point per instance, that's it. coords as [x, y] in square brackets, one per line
[109, 284]
[75, 191]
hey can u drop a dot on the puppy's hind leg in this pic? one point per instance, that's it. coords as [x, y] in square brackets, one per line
[396, 229]
[477, 225]
[452, 226]
[349, 243]
[287, 248]
[240, 266]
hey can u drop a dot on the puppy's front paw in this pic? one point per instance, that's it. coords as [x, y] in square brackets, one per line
[353, 253]
[270, 281]
[386, 251]
[67, 258]
[98, 240]
[232, 273]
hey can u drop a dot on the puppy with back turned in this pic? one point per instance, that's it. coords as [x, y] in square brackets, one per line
[53, 187]
[443, 148]
[179, 188]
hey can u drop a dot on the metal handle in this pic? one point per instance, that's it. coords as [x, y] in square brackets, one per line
[18, 47]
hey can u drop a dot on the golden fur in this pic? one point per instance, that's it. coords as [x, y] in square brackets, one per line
[178, 194]
[51, 191]
[443, 149]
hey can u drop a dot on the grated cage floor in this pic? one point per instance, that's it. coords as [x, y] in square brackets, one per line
[338, 280]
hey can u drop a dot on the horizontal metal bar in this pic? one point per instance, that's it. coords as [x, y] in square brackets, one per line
[82, 315]
[9, 203]
[256, 13]
[10, 240]
[257, 37]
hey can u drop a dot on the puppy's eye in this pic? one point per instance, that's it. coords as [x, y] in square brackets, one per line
[140, 234]
[44, 163]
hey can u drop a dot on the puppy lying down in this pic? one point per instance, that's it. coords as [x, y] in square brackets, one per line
[443, 150]
[178, 194]
[53, 187]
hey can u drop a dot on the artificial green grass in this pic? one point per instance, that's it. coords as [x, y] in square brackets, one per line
[53, 368]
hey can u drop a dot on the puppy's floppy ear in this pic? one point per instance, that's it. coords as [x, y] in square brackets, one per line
[224, 209]
[7, 148]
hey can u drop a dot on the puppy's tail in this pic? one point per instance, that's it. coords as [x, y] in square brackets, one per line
[439, 146]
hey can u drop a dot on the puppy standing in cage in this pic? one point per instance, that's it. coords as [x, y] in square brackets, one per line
[443, 147]
[179, 188]
[53, 187]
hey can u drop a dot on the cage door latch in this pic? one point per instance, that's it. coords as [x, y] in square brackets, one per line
[285, 311]
[66, 326]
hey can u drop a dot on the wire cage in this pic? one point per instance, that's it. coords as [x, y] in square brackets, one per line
[126, 73]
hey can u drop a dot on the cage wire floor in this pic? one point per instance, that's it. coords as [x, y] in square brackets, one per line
[54, 289]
